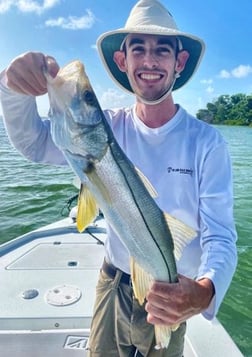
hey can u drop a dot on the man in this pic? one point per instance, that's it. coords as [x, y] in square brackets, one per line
[185, 159]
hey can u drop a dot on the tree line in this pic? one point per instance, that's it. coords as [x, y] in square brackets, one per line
[227, 109]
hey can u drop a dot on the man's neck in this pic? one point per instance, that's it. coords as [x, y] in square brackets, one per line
[154, 116]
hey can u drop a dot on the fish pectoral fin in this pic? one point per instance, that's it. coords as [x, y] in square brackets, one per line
[181, 234]
[147, 183]
[141, 281]
[163, 335]
[87, 208]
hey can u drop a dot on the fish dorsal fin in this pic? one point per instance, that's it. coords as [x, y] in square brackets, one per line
[147, 183]
[181, 233]
[87, 208]
[141, 281]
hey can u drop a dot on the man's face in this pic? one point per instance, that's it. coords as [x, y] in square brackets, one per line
[150, 62]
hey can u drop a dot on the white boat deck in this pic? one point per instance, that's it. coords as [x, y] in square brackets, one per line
[48, 280]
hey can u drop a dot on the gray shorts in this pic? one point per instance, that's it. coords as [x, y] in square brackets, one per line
[119, 327]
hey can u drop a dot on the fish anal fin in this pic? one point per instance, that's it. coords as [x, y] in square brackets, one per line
[147, 183]
[141, 281]
[181, 233]
[163, 335]
[87, 208]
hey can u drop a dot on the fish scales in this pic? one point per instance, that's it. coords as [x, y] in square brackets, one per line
[79, 128]
[153, 219]
[138, 216]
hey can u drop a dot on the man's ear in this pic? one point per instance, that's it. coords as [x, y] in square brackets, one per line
[120, 59]
[181, 60]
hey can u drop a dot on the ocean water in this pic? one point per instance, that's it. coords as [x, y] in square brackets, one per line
[32, 195]
[236, 310]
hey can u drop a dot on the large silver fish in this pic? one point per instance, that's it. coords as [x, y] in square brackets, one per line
[108, 178]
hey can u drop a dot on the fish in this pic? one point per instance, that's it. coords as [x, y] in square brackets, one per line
[111, 182]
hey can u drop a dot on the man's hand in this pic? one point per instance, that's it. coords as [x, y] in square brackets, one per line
[25, 74]
[171, 304]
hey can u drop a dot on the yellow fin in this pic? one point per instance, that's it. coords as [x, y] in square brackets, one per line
[163, 335]
[141, 281]
[87, 208]
[147, 183]
[181, 234]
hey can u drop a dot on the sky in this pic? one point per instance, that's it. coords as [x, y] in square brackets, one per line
[68, 30]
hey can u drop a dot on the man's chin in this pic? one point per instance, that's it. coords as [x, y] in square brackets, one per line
[149, 98]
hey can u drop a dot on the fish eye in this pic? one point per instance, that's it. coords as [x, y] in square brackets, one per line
[88, 96]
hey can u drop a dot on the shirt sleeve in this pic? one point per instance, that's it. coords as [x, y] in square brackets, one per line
[27, 132]
[218, 233]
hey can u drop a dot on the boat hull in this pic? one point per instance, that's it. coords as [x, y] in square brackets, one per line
[48, 279]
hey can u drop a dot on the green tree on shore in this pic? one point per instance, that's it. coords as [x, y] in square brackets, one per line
[227, 109]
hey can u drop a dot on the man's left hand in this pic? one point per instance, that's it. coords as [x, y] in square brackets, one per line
[171, 304]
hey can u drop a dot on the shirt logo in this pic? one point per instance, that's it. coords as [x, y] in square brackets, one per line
[179, 171]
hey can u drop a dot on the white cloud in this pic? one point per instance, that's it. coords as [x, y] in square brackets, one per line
[240, 71]
[210, 89]
[73, 22]
[5, 5]
[224, 74]
[114, 99]
[27, 5]
[206, 81]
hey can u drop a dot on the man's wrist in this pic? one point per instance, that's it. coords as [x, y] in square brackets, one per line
[207, 291]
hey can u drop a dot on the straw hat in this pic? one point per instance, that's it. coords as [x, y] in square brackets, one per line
[149, 17]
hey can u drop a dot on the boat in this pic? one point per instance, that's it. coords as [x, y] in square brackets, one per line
[48, 278]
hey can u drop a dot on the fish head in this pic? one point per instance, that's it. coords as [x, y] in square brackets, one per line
[77, 121]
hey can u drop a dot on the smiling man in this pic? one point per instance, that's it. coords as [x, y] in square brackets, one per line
[152, 64]
[186, 161]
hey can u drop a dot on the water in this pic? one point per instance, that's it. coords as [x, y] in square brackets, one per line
[236, 310]
[33, 195]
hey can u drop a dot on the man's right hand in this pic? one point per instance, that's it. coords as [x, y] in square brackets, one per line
[25, 74]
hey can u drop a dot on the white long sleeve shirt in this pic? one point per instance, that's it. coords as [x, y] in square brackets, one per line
[187, 162]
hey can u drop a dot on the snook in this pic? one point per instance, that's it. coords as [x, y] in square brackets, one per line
[124, 195]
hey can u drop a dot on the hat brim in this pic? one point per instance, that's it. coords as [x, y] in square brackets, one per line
[111, 41]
